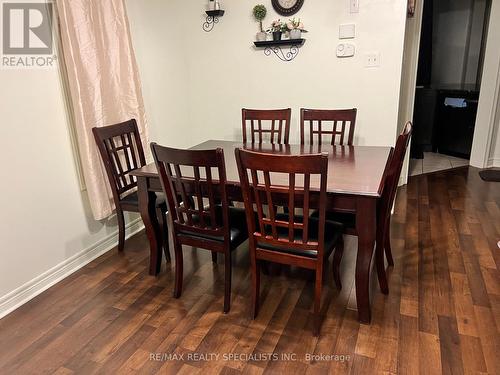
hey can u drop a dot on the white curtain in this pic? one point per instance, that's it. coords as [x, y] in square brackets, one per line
[103, 81]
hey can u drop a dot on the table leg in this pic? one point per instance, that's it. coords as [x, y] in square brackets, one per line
[366, 224]
[147, 208]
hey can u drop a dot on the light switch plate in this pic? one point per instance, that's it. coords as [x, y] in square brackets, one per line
[347, 31]
[354, 6]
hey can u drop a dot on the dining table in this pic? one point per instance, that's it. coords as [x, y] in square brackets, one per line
[355, 183]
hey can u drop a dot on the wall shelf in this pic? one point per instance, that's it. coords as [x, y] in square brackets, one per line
[212, 18]
[277, 48]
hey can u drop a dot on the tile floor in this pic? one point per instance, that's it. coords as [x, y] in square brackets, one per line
[433, 162]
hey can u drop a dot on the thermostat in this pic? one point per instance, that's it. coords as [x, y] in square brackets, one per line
[345, 50]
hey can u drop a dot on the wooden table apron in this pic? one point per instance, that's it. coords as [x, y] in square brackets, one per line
[363, 204]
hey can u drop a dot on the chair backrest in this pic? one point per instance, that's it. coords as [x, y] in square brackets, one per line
[121, 150]
[194, 183]
[275, 129]
[393, 171]
[319, 125]
[267, 185]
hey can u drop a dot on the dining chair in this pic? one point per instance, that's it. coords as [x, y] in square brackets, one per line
[383, 240]
[287, 238]
[194, 183]
[330, 123]
[271, 126]
[121, 151]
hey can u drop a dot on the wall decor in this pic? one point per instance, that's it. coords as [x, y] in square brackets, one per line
[287, 7]
[214, 12]
[259, 13]
[212, 19]
[277, 47]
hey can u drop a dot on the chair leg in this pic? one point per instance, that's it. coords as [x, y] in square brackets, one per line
[178, 270]
[380, 262]
[214, 257]
[227, 281]
[255, 287]
[317, 302]
[337, 259]
[121, 229]
[387, 243]
[162, 220]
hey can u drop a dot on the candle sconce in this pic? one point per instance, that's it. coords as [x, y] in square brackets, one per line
[214, 12]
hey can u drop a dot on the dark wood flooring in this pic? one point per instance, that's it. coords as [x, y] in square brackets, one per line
[442, 314]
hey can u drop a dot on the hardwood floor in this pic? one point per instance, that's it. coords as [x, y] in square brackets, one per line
[442, 314]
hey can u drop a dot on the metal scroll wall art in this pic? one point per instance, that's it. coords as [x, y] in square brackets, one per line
[212, 18]
[289, 55]
[285, 50]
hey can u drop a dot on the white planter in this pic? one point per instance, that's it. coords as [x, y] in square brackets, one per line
[295, 34]
[261, 37]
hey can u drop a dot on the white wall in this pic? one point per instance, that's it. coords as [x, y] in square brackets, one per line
[44, 217]
[227, 73]
[452, 22]
[157, 28]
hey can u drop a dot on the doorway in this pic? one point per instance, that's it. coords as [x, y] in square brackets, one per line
[450, 66]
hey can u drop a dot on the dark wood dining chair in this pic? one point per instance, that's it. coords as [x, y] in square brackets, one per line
[383, 242]
[271, 126]
[287, 238]
[194, 183]
[337, 124]
[122, 152]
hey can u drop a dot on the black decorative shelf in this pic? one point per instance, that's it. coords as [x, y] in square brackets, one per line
[215, 13]
[212, 19]
[275, 46]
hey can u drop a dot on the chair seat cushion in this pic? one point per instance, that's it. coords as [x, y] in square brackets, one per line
[333, 232]
[347, 219]
[133, 199]
[238, 227]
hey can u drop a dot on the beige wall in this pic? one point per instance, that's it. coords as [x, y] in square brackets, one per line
[157, 28]
[226, 73]
[44, 216]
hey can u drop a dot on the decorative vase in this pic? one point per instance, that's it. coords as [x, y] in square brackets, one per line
[295, 34]
[261, 37]
[211, 4]
[277, 35]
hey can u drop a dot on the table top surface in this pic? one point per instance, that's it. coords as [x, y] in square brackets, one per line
[352, 170]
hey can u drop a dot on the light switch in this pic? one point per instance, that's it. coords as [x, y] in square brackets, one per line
[347, 31]
[354, 6]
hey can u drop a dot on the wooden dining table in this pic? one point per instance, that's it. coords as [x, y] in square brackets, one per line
[355, 184]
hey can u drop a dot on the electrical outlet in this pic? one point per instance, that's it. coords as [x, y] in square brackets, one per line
[372, 60]
[354, 5]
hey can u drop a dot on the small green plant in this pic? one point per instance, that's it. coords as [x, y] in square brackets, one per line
[260, 12]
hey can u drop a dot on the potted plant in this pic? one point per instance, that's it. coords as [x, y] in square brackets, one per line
[277, 28]
[260, 12]
[295, 28]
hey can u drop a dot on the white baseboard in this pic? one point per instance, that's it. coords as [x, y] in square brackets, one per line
[33, 288]
[495, 163]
